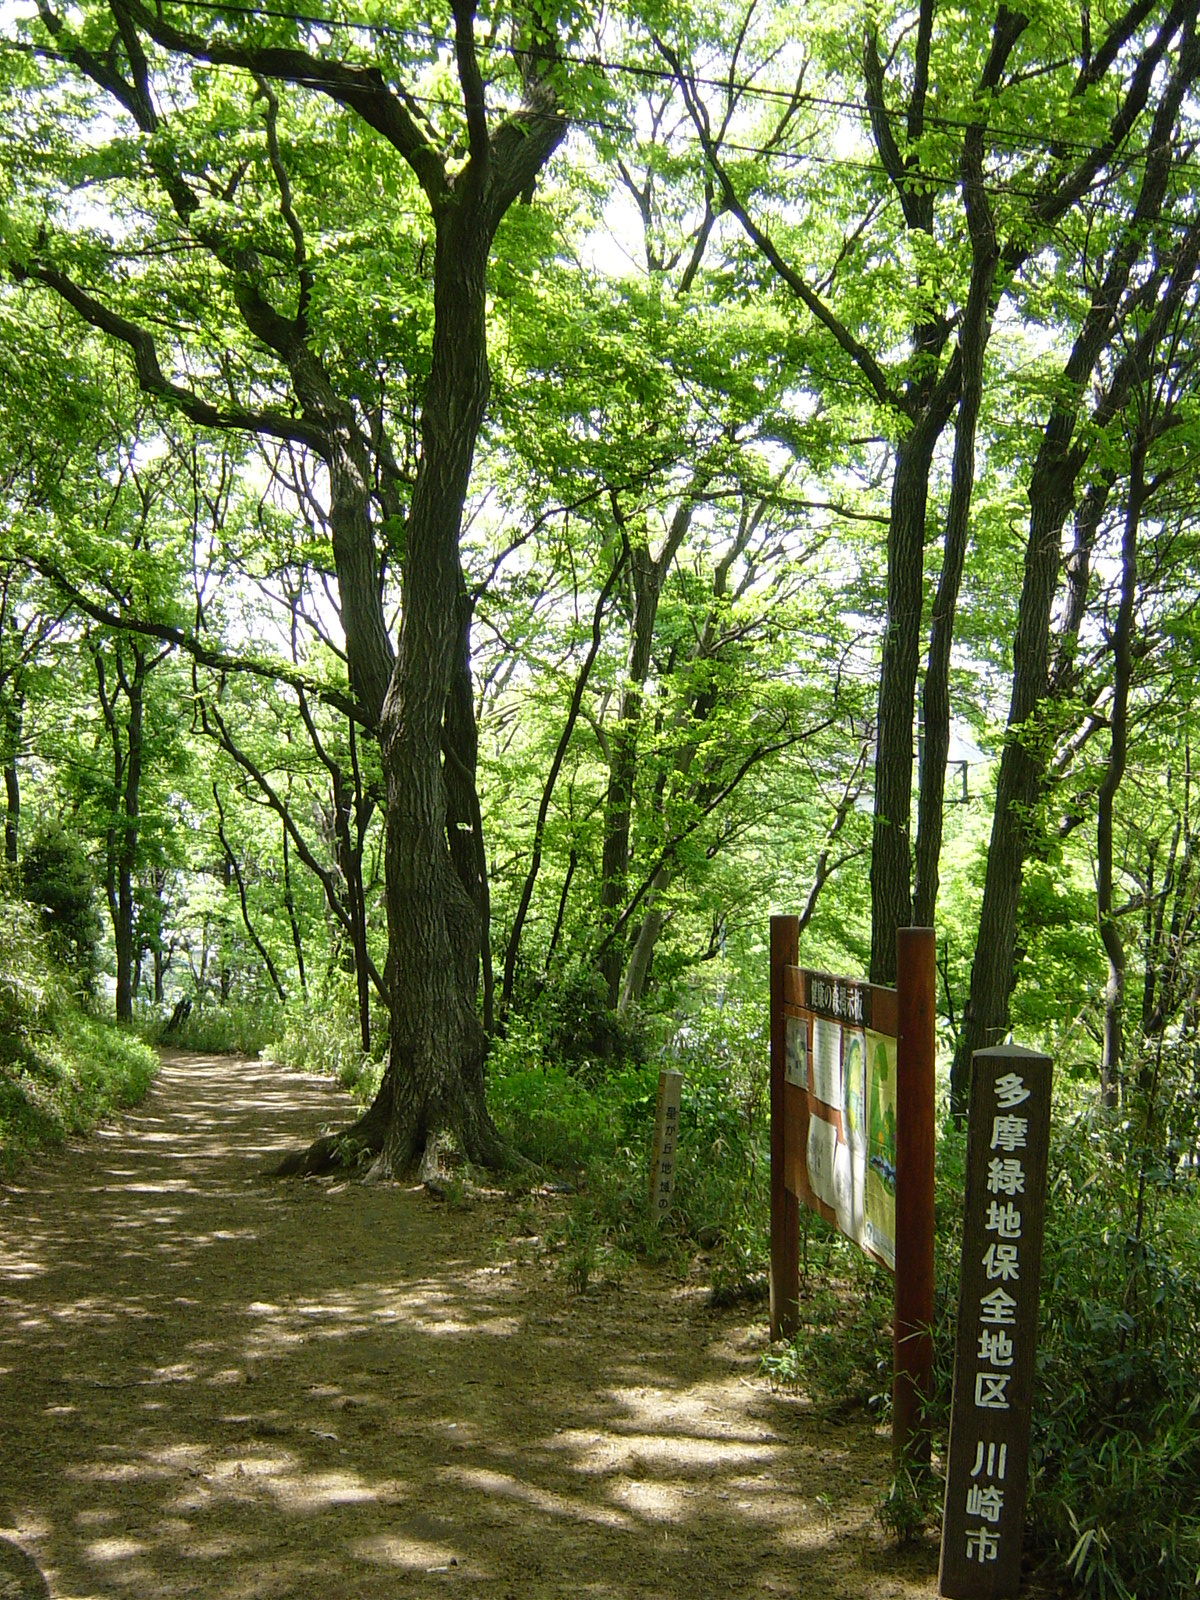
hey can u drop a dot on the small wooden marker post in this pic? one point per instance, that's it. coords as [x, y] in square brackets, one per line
[666, 1135]
[1008, 1136]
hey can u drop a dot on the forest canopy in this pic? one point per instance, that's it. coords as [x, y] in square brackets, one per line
[498, 501]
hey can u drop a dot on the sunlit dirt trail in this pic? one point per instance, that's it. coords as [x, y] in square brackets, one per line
[217, 1385]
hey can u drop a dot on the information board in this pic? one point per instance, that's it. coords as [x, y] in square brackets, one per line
[840, 1104]
[852, 1097]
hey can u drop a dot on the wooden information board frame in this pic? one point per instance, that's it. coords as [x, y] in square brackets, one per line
[803, 1001]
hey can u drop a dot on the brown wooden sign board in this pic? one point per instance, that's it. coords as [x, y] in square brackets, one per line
[988, 1466]
[852, 1074]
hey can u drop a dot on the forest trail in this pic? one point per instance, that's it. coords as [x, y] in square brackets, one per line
[219, 1386]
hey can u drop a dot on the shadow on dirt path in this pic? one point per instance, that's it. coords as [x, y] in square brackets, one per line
[217, 1386]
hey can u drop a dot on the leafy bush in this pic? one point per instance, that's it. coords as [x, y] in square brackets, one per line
[322, 1036]
[243, 1027]
[60, 1071]
[56, 877]
[1115, 1487]
[1114, 1498]
[597, 1129]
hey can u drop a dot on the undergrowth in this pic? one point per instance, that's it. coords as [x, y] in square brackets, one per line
[243, 1028]
[61, 1070]
[320, 1034]
[1114, 1495]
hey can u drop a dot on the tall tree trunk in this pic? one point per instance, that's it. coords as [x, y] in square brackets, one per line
[891, 856]
[1023, 761]
[512, 950]
[434, 1080]
[12, 779]
[289, 901]
[935, 692]
[1122, 649]
[646, 575]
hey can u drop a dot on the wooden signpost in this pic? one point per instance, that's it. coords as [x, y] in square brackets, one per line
[852, 1097]
[664, 1149]
[987, 1472]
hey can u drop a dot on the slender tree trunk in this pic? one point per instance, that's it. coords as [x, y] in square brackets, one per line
[645, 579]
[512, 950]
[1122, 649]
[935, 696]
[12, 779]
[891, 856]
[289, 901]
[1023, 761]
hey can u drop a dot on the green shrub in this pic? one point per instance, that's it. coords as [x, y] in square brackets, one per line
[1114, 1497]
[242, 1028]
[60, 1070]
[322, 1035]
[56, 877]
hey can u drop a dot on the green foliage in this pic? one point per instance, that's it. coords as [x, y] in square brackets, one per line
[322, 1036]
[596, 1130]
[1115, 1490]
[1114, 1499]
[242, 1028]
[841, 1355]
[583, 1032]
[56, 877]
[912, 1503]
[60, 1070]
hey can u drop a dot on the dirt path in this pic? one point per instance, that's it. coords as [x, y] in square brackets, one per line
[212, 1385]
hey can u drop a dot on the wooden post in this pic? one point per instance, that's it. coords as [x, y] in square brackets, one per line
[664, 1155]
[912, 1318]
[987, 1473]
[785, 1207]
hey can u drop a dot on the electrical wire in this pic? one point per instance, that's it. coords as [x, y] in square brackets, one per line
[773, 152]
[744, 90]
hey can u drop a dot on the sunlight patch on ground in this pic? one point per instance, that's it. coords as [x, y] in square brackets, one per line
[314, 1491]
[502, 1486]
[705, 1411]
[415, 1555]
[14, 1264]
[114, 1549]
[653, 1502]
[621, 1452]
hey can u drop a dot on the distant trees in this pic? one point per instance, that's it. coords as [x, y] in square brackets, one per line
[477, 615]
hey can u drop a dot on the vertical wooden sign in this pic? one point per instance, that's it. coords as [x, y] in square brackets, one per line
[987, 1473]
[666, 1137]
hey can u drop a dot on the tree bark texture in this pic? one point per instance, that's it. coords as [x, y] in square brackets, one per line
[437, 1043]
[1122, 652]
[891, 855]
[12, 780]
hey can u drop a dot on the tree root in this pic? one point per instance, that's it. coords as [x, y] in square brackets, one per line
[371, 1148]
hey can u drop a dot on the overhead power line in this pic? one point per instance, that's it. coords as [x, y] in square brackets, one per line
[746, 89]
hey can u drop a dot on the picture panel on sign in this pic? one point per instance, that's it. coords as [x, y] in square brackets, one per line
[879, 1227]
[850, 1158]
[822, 1144]
[827, 1062]
[796, 1056]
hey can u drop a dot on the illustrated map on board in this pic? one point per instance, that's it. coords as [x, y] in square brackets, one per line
[840, 1096]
